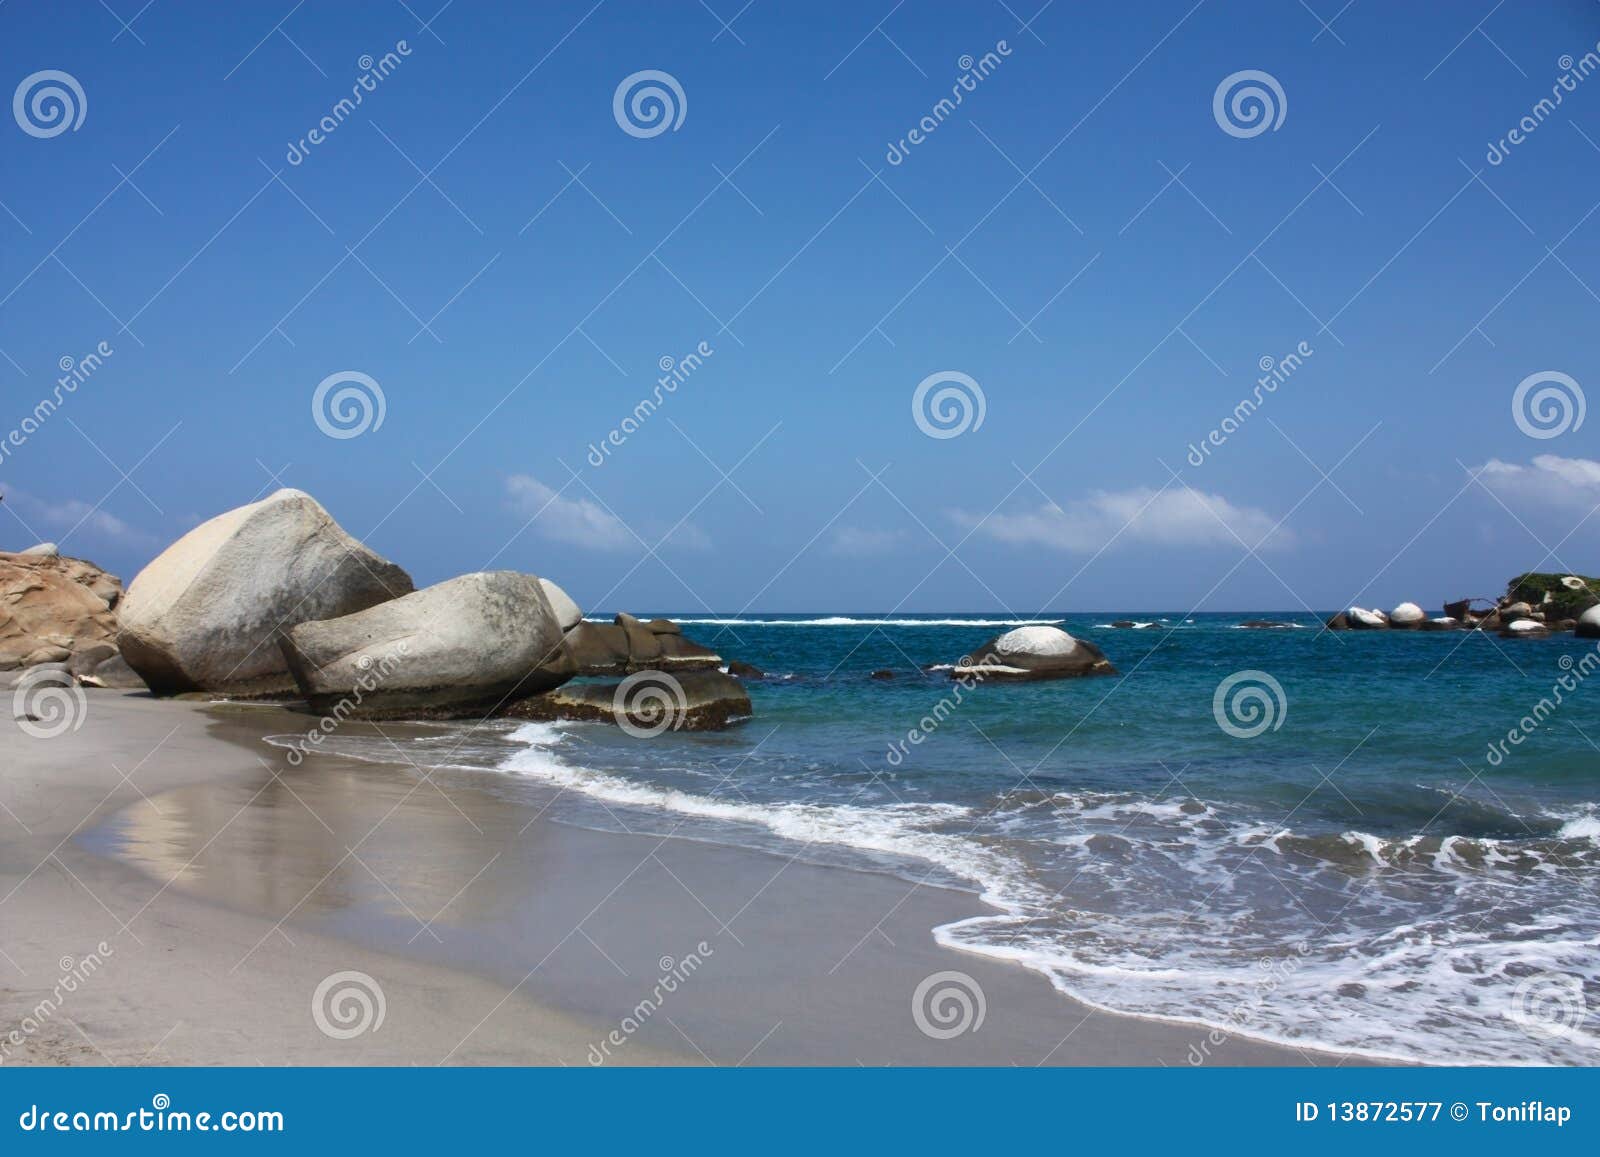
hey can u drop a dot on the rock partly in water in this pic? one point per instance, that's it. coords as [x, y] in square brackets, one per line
[745, 670]
[1588, 626]
[1338, 622]
[55, 610]
[1525, 629]
[1038, 652]
[1364, 620]
[1407, 617]
[647, 703]
[1265, 625]
[883, 674]
[1446, 623]
[206, 613]
[461, 647]
[628, 645]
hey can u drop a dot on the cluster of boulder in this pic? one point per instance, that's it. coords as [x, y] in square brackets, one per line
[59, 615]
[1534, 606]
[275, 600]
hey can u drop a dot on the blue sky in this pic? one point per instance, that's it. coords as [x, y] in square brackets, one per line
[1080, 237]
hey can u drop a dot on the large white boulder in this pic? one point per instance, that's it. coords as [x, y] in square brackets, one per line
[1364, 620]
[466, 645]
[1407, 615]
[206, 613]
[567, 612]
[1589, 623]
[1034, 652]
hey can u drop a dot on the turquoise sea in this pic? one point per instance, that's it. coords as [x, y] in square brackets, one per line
[1326, 855]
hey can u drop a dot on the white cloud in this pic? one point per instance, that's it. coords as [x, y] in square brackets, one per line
[1549, 481]
[579, 521]
[77, 519]
[1179, 516]
[568, 517]
[858, 541]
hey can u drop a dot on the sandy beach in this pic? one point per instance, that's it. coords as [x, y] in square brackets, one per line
[226, 885]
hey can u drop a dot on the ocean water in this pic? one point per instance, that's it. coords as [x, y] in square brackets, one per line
[1342, 866]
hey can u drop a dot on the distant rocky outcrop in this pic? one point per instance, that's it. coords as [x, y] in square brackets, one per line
[1031, 653]
[206, 613]
[1535, 606]
[645, 704]
[56, 610]
[460, 647]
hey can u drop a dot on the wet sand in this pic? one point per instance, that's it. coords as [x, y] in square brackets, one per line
[227, 884]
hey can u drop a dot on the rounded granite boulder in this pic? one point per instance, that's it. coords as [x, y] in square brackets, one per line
[1030, 653]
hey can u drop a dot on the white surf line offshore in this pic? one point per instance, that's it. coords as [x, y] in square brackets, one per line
[843, 621]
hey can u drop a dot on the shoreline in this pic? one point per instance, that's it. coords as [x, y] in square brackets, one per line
[497, 934]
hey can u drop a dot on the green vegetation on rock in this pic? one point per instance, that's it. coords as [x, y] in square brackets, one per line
[1565, 602]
